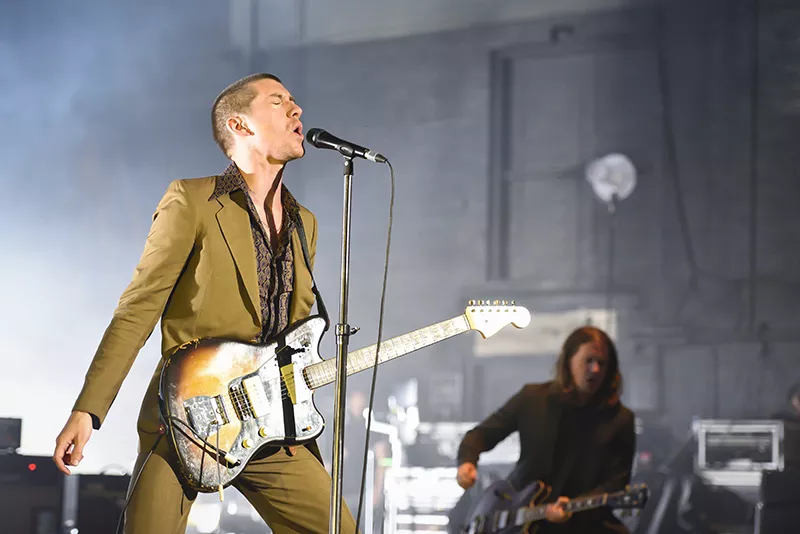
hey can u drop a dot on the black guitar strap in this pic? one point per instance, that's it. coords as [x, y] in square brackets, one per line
[320, 304]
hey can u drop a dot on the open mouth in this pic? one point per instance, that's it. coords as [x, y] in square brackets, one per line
[298, 130]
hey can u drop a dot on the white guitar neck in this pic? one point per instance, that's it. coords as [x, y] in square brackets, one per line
[322, 373]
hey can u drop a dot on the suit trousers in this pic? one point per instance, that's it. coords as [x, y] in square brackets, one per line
[291, 492]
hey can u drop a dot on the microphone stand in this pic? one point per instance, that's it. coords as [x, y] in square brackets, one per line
[343, 332]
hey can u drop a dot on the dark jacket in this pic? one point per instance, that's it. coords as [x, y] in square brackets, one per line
[597, 456]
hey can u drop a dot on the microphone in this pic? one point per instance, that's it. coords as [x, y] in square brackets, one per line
[322, 139]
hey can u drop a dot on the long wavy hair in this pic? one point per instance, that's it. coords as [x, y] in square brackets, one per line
[611, 388]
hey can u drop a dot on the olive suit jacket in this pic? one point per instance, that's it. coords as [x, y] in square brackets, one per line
[198, 275]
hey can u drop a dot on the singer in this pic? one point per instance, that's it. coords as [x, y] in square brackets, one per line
[225, 259]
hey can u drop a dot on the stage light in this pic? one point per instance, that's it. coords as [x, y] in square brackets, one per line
[612, 177]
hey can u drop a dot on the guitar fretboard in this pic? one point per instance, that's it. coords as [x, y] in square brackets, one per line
[526, 515]
[322, 373]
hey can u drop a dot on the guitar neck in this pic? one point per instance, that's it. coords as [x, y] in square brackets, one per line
[581, 504]
[322, 373]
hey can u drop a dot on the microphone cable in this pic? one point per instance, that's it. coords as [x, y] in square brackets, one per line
[377, 348]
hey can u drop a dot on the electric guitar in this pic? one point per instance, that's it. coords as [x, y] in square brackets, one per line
[222, 401]
[500, 509]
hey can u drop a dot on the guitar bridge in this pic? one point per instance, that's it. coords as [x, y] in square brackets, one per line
[205, 413]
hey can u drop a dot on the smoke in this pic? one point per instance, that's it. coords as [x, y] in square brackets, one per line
[93, 116]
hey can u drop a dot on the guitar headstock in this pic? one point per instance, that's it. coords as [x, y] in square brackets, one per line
[632, 497]
[489, 317]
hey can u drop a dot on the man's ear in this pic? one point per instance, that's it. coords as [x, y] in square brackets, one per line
[237, 125]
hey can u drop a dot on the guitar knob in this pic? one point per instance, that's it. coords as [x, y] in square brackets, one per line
[247, 443]
[262, 432]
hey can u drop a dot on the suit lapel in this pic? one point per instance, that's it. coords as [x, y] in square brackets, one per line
[234, 222]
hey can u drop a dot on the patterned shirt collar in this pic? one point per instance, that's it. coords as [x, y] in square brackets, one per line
[231, 180]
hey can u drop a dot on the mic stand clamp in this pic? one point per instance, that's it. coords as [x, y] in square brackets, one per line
[343, 333]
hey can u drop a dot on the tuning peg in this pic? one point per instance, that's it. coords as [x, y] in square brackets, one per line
[480, 303]
[513, 303]
[471, 303]
[505, 303]
[496, 302]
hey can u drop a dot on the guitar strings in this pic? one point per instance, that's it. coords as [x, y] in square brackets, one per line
[238, 394]
[239, 397]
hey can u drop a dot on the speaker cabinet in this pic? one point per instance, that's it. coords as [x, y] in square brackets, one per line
[94, 503]
[777, 518]
[31, 490]
[778, 508]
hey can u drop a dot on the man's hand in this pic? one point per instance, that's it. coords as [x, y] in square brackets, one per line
[555, 512]
[72, 440]
[467, 475]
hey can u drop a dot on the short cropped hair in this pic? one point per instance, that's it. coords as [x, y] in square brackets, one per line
[234, 99]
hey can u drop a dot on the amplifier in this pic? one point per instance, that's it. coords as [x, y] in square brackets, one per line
[780, 487]
[30, 495]
[791, 445]
[36, 498]
[10, 434]
[776, 518]
[93, 503]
